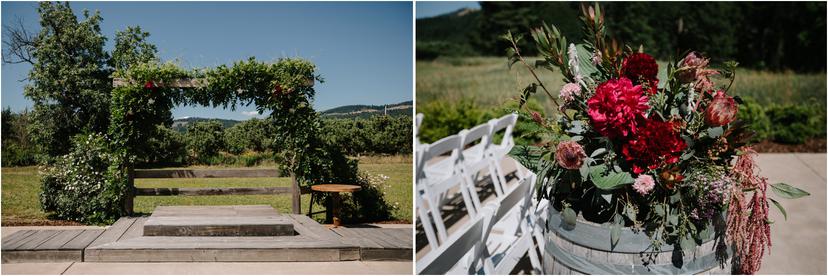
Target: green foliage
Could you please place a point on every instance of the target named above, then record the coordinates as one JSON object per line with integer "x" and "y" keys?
{"x": 205, "y": 140}
{"x": 374, "y": 135}
{"x": 69, "y": 81}
{"x": 132, "y": 48}
{"x": 777, "y": 36}
{"x": 250, "y": 135}
{"x": 444, "y": 118}
{"x": 167, "y": 148}
{"x": 370, "y": 203}
{"x": 79, "y": 185}
{"x": 18, "y": 149}
{"x": 793, "y": 124}
{"x": 754, "y": 115}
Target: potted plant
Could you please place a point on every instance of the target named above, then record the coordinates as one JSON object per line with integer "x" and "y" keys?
{"x": 645, "y": 174}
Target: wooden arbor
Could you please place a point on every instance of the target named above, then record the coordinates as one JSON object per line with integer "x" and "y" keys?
{"x": 132, "y": 192}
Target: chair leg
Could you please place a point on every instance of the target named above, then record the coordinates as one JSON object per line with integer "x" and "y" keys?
{"x": 310, "y": 205}
{"x": 496, "y": 181}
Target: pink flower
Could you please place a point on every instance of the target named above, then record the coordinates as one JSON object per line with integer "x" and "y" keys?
{"x": 537, "y": 117}
{"x": 617, "y": 108}
{"x": 570, "y": 155}
{"x": 596, "y": 58}
{"x": 569, "y": 91}
{"x": 644, "y": 184}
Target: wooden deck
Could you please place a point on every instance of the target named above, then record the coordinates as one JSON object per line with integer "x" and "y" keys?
{"x": 125, "y": 241}
{"x": 379, "y": 244}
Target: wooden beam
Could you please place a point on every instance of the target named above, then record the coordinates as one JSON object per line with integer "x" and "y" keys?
{"x": 211, "y": 191}
{"x": 207, "y": 173}
{"x": 296, "y": 197}
{"x": 179, "y": 83}
{"x": 182, "y": 83}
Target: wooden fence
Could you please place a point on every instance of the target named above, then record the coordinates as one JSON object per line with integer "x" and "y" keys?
{"x": 132, "y": 191}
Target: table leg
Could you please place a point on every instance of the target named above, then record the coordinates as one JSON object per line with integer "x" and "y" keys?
{"x": 336, "y": 209}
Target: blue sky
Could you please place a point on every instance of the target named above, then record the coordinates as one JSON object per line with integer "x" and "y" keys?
{"x": 429, "y": 9}
{"x": 362, "y": 49}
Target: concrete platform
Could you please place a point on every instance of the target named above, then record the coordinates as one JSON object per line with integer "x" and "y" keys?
{"x": 236, "y": 221}
{"x": 125, "y": 241}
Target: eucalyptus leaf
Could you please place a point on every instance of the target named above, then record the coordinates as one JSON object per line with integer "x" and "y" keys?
{"x": 715, "y": 132}
{"x": 615, "y": 234}
{"x": 609, "y": 180}
{"x": 569, "y": 216}
{"x": 788, "y": 191}
{"x": 598, "y": 152}
{"x": 779, "y": 206}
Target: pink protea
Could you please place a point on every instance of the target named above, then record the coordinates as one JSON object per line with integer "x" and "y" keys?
{"x": 690, "y": 66}
{"x": 721, "y": 110}
{"x": 570, "y": 155}
{"x": 569, "y": 91}
{"x": 643, "y": 184}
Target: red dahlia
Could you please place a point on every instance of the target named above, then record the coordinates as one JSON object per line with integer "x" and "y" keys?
{"x": 642, "y": 69}
{"x": 656, "y": 144}
{"x": 616, "y": 108}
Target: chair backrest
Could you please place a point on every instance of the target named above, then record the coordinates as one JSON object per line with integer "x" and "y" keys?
{"x": 418, "y": 121}
{"x": 450, "y": 253}
{"x": 448, "y": 145}
{"x": 506, "y": 122}
{"x": 480, "y": 134}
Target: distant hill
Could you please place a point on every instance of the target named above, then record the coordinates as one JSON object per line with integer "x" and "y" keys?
{"x": 365, "y": 111}
{"x": 449, "y": 34}
{"x": 346, "y": 111}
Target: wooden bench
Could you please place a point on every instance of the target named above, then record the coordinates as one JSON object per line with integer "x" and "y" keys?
{"x": 132, "y": 191}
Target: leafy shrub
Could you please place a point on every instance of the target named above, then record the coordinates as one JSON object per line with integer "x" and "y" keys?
{"x": 80, "y": 186}
{"x": 205, "y": 140}
{"x": 444, "y": 118}
{"x": 368, "y": 204}
{"x": 754, "y": 116}
{"x": 18, "y": 150}
{"x": 793, "y": 124}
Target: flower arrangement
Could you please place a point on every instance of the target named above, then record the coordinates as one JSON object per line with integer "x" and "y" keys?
{"x": 663, "y": 154}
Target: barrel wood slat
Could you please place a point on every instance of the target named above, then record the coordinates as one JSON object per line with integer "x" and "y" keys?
{"x": 585, "y": 249}
{"x": 132, "y": 191}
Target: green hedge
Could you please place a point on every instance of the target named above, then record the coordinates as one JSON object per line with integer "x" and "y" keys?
{"x": 786, "y": 124}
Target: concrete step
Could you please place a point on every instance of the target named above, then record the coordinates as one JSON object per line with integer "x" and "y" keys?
{"x": 236, "y": 221}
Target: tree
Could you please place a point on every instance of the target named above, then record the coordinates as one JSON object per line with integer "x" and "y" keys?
{"x": 69, "y": 81}
{"x": 252, "y": 135}
{"x": 131, "y": 47}
{"x": 205, "y": 140}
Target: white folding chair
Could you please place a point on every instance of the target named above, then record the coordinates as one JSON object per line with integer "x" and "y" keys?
{"x": 519, "y": 235}
{"x": 460, "y": 253}
{"x": 475, "y": 145}
{"x": 498, "y": 151}
{"x": 418, "y": 121}
{"x": 437, "y": 181}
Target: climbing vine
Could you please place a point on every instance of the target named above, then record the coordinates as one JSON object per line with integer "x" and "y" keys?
{"x": 282, "y": 89}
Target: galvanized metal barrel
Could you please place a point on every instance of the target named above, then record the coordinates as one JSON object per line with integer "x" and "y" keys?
{"x": 585, "y": 249}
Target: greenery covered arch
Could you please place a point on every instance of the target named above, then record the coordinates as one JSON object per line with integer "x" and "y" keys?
{"x": 143, "y": 96}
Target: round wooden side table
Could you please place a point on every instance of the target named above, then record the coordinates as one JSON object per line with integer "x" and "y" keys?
{"x": 334, "y": 190}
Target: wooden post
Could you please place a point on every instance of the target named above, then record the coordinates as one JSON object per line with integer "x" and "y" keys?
{"x": 297, "y": 197}
{"x": 130, "y": 191}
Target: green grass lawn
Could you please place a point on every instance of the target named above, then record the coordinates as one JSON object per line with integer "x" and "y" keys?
{"x": 490, "y": 83}
{"x": 20, "y": 189}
